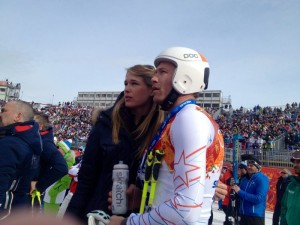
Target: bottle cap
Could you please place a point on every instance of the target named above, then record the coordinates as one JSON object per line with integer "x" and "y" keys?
{"x": 121, "y": 166}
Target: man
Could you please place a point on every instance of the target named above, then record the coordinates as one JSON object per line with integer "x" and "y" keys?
{"x": 242, "y": 171}
{"x": 290, "y": 211}
{"x": 252, "y": 193}
{"x": 189, "y": 142}
{"x": 281, "y": 186}
{"x": 52, "y": 164}
{"x": 20, "y": 148}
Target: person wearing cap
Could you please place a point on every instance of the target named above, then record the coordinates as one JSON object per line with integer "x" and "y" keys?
{"x": 242, "y": 171}
{"x": 252, "y": 193}
{"x": 281, "y": 185}
{"x": 191, "y": 143}
{"x": 55, "y": 194}
{"x": 234, "y": 199}
{"x": 290, "y": 210}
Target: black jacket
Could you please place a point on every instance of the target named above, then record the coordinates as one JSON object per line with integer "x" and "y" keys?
{"x": 101, "y": 154}
{"x": 53, "y": 166}
{"x": 20, "y": 149}
{"x": 280, "y": 188}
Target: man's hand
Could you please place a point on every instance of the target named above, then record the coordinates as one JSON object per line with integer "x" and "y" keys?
{"x": 116, "y": 220}
{"x": 221, "y": 191}
{"x": 236, "y": 188}
{"x": 232, "y": 181}
{"x": 32, "y": 186}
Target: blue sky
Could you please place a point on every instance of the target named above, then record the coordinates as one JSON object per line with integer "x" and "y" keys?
{"x": 56, "y": 48}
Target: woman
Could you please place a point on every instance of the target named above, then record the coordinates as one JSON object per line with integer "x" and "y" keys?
{"x": 121, "y": 133}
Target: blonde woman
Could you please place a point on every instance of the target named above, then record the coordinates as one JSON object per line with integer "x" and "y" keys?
{"x": 121, "y": 133}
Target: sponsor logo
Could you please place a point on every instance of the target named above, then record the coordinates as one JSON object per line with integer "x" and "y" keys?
{"x": 190, "y": 56}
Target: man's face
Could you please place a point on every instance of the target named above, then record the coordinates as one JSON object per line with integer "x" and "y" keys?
{"x": 297, "y": 166}
{"x": 162, "y": 81}
{"x": 242, "y": 171}
{"x": 9, "y": 114}
{"x": 251, "y": 169}
{"x": 224, "y": 169}
{"x": 284, "y": 173}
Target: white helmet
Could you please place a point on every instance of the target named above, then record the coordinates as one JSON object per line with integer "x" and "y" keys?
{"x": 192, "y": 70}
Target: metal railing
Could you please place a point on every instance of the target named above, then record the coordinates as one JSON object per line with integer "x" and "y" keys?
{"x": 268, "y": 157}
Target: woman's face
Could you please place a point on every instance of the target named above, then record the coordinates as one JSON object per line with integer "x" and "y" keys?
{"x": 138, "y": 96}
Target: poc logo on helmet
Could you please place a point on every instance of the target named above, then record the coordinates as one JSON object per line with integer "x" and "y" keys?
{"x": 191, "y": 56}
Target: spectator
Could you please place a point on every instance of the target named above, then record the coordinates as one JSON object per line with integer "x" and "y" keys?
{"x": 120, "y": 133}
{"x": 252, "y": 193}
{"x": 234, "y": 203}
{"x": 226, "y": 178}
{"x": 55, "y": 194}
{"x": 73, "y": 173}
{"x": 20, "y": 148}
{"x": 281, "y": 185}
{"x": 52, "y": 163}
{"x": 290, "y": 213}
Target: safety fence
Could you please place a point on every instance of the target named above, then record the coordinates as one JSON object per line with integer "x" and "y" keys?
{"x": 268, "y": 157}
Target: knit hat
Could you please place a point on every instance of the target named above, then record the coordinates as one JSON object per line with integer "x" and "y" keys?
{"x": 64, "y": 145}
{"x": 251, "y": 160}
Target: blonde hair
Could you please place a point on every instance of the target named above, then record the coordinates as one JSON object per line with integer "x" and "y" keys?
{"x": 95, "y": 113}
{"x": 150, "y": 124}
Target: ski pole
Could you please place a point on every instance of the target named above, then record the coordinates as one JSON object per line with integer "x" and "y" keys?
{"x": 148, "y": 171}
{"x": 155, "y": 171}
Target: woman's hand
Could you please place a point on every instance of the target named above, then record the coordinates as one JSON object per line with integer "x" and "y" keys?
{"x": 134, "y": 195}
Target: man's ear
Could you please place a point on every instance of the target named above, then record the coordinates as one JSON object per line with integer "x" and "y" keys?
{"x": 18, "y": 117}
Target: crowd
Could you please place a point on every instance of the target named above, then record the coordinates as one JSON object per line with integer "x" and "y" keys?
{"x": 69, "y": 121}
{"x": 261, "y": 125}
{"x": 174, "y": 161}
{"x": 258, "y": 126}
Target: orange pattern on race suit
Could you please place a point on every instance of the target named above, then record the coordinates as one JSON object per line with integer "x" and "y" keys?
{"x": 214, "y": 154}
{"x": 189, "y": 172}
{"x": 165, "y": 144}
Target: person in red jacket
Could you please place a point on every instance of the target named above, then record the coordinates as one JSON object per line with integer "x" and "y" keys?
{"x": 226, "y": 178}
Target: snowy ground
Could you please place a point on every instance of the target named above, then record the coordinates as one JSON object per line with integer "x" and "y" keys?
{"x": 219, "y": 216}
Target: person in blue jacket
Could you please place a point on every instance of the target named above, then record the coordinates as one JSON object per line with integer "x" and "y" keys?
{"x": 20, "y": 149}
{"x": 53, "y": 166}
{"x": 252, "y": 192}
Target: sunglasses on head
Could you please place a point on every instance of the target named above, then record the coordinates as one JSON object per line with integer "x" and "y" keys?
{"x": 282, "y": 172}
{"x": 149, "y": 67}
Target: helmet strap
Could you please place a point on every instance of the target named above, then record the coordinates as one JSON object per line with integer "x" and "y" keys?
{"x": 170, "y": 100}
